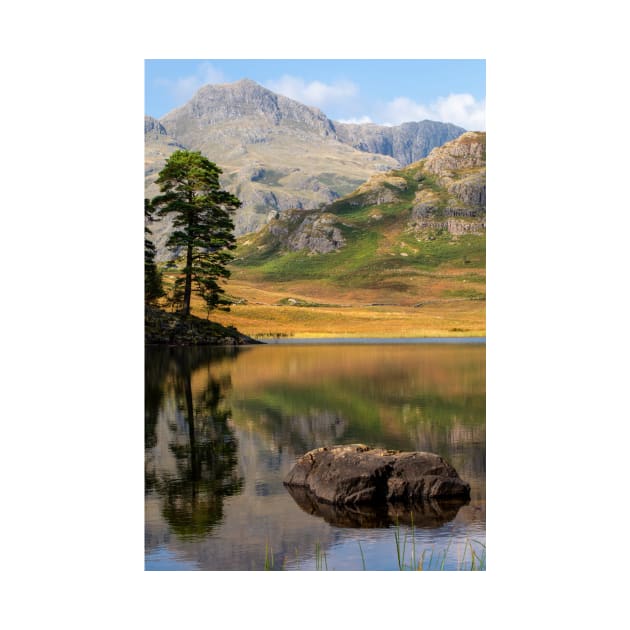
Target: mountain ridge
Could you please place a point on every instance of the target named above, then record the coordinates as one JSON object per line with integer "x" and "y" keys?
{"x": 276, "y": 154}
{"x": 444, "y": 192}
{"x": 407, "y": 143}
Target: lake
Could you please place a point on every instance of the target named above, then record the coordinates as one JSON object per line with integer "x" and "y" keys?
{"x": 223, "y": 426}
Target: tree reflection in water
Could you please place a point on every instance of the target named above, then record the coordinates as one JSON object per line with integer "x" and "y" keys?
{"x": 216, "y": 415}
{"x": 202, "y": 443}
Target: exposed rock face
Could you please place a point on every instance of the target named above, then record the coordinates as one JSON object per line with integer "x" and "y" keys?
{"x": 407, "y": 143}
{"x": 459, "y": 204}
{"x": 468, "y": 152}
{"x": 358, "y": 474}
{"x": 158, "y": 146}
{"x": 318, "y": 234}
{"x": 154, "y": 131}
{"x": 471, "y": 190}
{"x": 380, "y": 189}
{"x": 245, "y": 99}
{"x": 152, "y": 125}
{"x": 452, "y": 226}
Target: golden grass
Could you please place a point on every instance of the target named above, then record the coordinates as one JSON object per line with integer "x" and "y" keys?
{"x": 456, "y": 318}
{"x": 352, "y": 312}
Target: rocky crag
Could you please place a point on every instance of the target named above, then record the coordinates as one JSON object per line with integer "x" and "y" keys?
{"x": 443, "y": 194}
{"x": 406, "y": 143}
{"x": 453, "y": 196}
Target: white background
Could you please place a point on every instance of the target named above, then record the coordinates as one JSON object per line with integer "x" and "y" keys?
{"x": 557, "y": 327}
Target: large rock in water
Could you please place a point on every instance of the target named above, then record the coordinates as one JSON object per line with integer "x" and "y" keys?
{"x": 353, "y": 474}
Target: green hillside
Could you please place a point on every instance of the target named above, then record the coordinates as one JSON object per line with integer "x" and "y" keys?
{"x": 412, "y": 240}
{"x": 382, "y": 249}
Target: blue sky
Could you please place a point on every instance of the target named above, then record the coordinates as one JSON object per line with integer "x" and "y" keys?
{"x": 382, "y": 91}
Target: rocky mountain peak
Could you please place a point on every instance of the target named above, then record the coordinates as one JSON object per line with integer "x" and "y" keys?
{"x": 245, "y": 99}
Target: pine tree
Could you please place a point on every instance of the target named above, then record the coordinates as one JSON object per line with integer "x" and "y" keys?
{"x": 152, "y": 278}
{"x": 202, "y": 222}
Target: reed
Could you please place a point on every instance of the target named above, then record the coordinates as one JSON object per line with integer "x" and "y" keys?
{"x": 407, "y": 557}
{"x": 362, "y": 556}
{"x": 320, "y": 558}
{"x": 268, "y": 557}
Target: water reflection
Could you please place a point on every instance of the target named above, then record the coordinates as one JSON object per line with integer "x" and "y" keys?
{"x": 425, "y": 514}
{"x": 203, "y": 446}
{"x": 223, "y": 427}
{"x": 413, "y": 397}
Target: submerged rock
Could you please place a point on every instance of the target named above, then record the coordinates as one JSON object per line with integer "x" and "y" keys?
{"x": 357, "y": 474}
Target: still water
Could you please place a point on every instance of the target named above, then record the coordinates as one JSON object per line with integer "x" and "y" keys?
{"x": 223, "y": 426}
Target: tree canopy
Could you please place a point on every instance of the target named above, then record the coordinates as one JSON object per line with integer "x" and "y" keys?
{"x": 203, "y": 231}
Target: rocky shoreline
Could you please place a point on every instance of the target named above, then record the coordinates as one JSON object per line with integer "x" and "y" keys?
{"x": 162, "y": 328}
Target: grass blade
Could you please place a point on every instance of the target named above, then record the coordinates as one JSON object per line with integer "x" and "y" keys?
{"x": 362, "y": 556}
{"x": 268, "y": 557}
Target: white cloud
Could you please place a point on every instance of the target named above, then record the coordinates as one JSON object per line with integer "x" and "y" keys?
{"x": 183, "y": 88}
{"x": 315, "y": 93}
{"x": 356, "y": 121}
{"x": 460, "y": 109}
{"x": 210, "y": 74}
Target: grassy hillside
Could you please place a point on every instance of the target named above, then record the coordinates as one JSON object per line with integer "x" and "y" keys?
{"x": 407, "y": 259}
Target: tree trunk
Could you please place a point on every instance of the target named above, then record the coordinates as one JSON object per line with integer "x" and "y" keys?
{"x": 188, "y": 285}
{"x": 195, "y": 466}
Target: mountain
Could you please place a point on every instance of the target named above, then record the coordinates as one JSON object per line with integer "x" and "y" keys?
{"x": 406, "y": 143}
{"x": 277, "y": 154}
{"x": 409, "y": 239}
{"x": 158, "y": 146}
{"x": 443, "y": 196}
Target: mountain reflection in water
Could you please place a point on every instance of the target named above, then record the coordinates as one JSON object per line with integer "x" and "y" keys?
{"x": 224, "y": 426}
